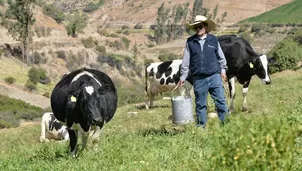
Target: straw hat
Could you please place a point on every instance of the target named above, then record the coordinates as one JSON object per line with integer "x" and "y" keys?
{"x": 202, "y": 19}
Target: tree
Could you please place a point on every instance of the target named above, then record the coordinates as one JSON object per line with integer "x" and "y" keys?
{"x": 21, "y": 18}
{"x": 135, "y": 51}
{"x": 76, "y": 24}
{"x": 215, "y": 10}
{"x": 198, "y": 9}
{"x": 160, "y": 30}
{"x": 223, "y": 16}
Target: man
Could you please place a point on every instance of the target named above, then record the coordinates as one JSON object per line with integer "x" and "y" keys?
{"x": 205, "y": 60}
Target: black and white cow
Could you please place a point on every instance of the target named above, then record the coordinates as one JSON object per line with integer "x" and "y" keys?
{"x": 83, "y": 100}
{"x": 51, "y": 128}
{"x": 243, "y": 62}
{"x": 164, "y": 76}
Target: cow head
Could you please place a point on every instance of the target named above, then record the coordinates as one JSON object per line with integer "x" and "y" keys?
{"x": 90, "y": 105}
{"x": 260, "y": 67}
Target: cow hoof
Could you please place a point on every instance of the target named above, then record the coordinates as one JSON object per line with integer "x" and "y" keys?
{"x": 231, "y": 111}
{"x": 43, "y": 140}
{"x": 244, "y": 109}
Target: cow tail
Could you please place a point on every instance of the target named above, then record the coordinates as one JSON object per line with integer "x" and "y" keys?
{"x": 146, "y": 81}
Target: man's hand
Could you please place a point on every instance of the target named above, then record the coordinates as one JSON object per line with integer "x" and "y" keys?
{"x": 181, "y": 83}
{"x": 223, "y": 76}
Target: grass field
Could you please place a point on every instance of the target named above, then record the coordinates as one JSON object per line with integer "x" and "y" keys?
{"x": 11, "y": 67}
{"x": 268, "y": 137}
{"x": 289, "y": 13}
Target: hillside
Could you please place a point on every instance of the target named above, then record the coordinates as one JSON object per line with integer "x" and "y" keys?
{"x": 288, "y": 13}
{"x": 113, "y": 12}
{"x": 61, "y": 53}
{"x": 266, "y": 138}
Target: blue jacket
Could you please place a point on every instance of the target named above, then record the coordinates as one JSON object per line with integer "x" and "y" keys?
{"x": 203, "y": 63}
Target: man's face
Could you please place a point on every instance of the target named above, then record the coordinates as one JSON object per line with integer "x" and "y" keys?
{"x": 201, "y": 29}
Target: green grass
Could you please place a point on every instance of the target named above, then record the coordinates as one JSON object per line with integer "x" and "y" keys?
{"x": 13, "y": 68}
{"x": 13, "y": 110}
{"x": 288, "y": 13}
{"x": 269, "y": 137}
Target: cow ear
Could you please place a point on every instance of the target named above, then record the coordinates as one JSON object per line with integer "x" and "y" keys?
{"x": 271, "y": 60}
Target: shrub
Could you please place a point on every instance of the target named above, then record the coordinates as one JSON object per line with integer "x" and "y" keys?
{"x": 152, "y": 27}
{"x": 90, "y": 7}
{"x": 62, "y": 55}
{"x": 54, "y": 12}
{"x": 75, "y": 61}
{"x": 10, "y": 80}
{"x": 36, "y": 58}
{"x": 259, "y": 147}
{"x": 287, "y": 53}
{"x": 46, "y": 94}
{"x": 148, "y": 61}
{"x": 76, "y": 24}
{"x": 118, "y": 45}
{"x": 8, "y": 124}
{"x": 247, "y": 36}
{"x": 29, "y": 85}
{"x": 93, "y": 6}
{"x": 256, "y": 28}
{"x": 101, "y": 50}
{"x": 277, "y": 25}
{"x": 298, "y": 36}
{"x": 126, "y": 42}
{"x": 88, "y": 43}
{"x": 114, "y": 35}
{"x": 103, "y": 32}
{"x": 8, "y": 119}
{"x": 130, "y": 94}
{"x": 243, "y": 28}
{"x": 45, "y": 80}
{"x": 12, "y": 110}
{"x": 167, "y": 56}
{"x": 138, "y": 26}
{"x": 272, "y": 30}
{"x": 125, "y": 27}
{"x": 126, "y": 32}
{"x": 150, "y": 45}
{"x": 2, "y": 2}
{"x": 36, "y": 74}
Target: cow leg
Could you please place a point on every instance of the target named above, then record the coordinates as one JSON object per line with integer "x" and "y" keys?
{"x": 43, "y": 130}
{"x": 84, "y": 140}
{"x": 73, "y": 135}
{"x": 244, "y": 93}
{"x": 151, "y": 100}
{"x": 95, "y": 137}
{"x": 232, "y": 93}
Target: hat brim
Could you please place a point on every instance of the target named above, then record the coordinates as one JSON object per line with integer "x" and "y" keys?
{"x": 211, "y": 25}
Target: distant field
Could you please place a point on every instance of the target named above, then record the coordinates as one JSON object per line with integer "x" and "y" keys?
{"x": 11, "y": 67}
{"x": 289, "y": 13}
{"x": 268, "y": 137}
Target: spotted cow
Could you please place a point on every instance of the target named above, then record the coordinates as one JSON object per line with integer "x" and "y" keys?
{"x": 243, "y": 62}
{"x": 164, "y": 76}
{"x": 84, "y": 100}
{"x": 51, "y": 128}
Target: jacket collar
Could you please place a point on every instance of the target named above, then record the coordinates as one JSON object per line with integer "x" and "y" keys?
{"x": 208, "y": 37}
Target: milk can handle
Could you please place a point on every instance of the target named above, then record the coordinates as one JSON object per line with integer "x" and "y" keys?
{"x": 174, "y": 89}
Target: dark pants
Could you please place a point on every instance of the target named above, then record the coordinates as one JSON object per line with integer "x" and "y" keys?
{"x": 212, "y": 84}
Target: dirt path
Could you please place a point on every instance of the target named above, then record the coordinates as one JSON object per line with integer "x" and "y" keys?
{"x": 17, "y": 93}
